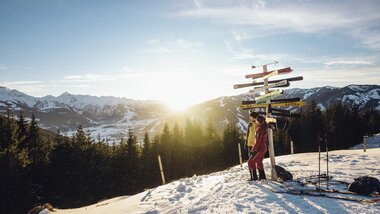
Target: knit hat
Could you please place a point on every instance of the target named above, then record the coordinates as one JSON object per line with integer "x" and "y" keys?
{"x": 254, "y": 114}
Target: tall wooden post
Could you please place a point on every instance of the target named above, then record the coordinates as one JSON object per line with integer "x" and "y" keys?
{"x": 161, "y": 170}
{"x": 240, "y": 158}
{"x": 291, "y": 147}
{"x": 270, "y": 132}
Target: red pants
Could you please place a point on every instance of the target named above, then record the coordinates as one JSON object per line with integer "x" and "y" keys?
{"x": 256, "y": 161}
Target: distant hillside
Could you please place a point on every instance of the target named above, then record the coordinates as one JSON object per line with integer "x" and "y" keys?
{"x": 106, "y": 116}
{"x": 111, "y": 116}
{"x": 225, "y": 110}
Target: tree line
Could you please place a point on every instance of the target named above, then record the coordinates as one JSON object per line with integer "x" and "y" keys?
{"x": 73, "y": 171}
{"x": 339, "y": 126}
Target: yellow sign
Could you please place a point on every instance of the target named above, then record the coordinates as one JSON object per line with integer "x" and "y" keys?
{"x": 270, "y": 120}
{"x": 285, "y": 104}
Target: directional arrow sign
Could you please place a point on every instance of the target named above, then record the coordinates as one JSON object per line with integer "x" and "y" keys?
{"x": 282, "y": 115}
{"x": 254, "y": 83}
{"x": 285, "y": 100}
{"x": 259, "y": 75}
{"x": 272, "y": 110}
{"x": 250, "y": 106}
{"x": 256, "y": 66}
{"x": 277, "y": 84}
{"x": 270, "y": 120}
{"x": 271, "y": 94}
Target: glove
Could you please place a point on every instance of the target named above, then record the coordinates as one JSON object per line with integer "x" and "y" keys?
{"x": 252, "y": 153}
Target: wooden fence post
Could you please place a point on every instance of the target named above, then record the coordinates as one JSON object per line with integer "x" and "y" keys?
{"x": 291, "y": 147}
{"x": 365, "y": 141}
{"x": 161, "y": 170}
{"x": 240, "y": 158}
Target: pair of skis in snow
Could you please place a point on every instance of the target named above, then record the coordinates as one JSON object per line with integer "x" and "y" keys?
{"x": 372, "y": 201}
{"x": 331, "y": 194}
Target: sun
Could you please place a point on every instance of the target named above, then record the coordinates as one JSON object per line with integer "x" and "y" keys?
{"x": 178, "y": 106}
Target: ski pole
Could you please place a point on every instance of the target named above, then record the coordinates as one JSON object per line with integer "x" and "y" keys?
{"x": 327, "y": 151}
{"x": 319, "y": 162}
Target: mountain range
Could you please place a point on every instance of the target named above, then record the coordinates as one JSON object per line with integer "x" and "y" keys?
{"x": 111, "y": 117}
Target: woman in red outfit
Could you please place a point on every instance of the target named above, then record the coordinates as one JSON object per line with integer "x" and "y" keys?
{"x": 259, "y": 149}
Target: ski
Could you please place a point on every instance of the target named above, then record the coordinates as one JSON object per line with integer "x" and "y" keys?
{"x": 272, "y": 110}
{"x": 283, "y": 114}
{"x": 285, "y": 104}
{"x": 263, "y": 74}
{"x": 254, "y": 83}
{"x": 286, "y": 115}
{"x": 247, "y": 102}
{"x": 271, "y": 94}
{"x": 283, "y": 83}
{"x": 285, "y": 100}
{"x": 263, "y": 100}
{"x": 318, "y": 194}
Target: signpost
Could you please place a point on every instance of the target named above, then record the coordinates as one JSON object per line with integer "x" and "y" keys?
{"x": 266, "y": 101}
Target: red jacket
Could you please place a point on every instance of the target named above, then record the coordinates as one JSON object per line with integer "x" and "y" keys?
{"x": 261, "y": 137}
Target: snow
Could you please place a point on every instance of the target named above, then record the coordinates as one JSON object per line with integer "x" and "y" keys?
{"x": 357, "y": 88}
{"x": 321, "y": 106}
{"x": 372, "y": 142}
{"x": 14, "y": 96}
{"x": 242, "y": 124}
{"x": 374, "y": 94}
{"x": 225, "y": 121}
{"x": 221, "y": 102}
{"x": 229, "y": 191}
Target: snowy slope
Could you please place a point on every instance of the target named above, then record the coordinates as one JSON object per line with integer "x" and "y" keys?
{"x": 229, "y": 191}
{"x": 372, "y": 142}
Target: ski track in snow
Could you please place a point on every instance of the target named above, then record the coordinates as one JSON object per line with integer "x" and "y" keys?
{"x": 229, "y": 191}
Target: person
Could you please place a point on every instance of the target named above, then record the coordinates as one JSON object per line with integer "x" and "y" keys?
{"x": 259, "y": 149}
{"x": 251, "y": 140}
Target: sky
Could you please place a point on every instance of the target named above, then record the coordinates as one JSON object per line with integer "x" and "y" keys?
{"x": 183, "y": 52}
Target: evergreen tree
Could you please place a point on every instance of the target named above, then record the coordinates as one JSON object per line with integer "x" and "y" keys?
{"x": 22, "y": 131}
{"x": 133, "y": 162}
{"x": 14, "y": 169}
{"x": 166, "y": 151}
{"x": 146, "y": 161}
{"x": 177, "y": 153}
{"x": 213, "y": 149}
{"x": 231, "y": 138}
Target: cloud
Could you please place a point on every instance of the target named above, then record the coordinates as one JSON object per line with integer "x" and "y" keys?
{"x": 239, "y": 53}
{"x": 21, "y": 83}
{"x": 188, "y": 45}
{"x": 369, "y": 39}
{"x": 156, "y": 47}
{"x": 288, "y": 15}
{"x": 268, "y": 17}
{"x": 240, "y": 35}
{"x": 87, "y": 78}
{"x": 348, "y": 62}
{"x": 340, "y": 76}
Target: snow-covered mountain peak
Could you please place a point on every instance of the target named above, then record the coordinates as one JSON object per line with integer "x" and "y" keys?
{"x": 12, "y": 97}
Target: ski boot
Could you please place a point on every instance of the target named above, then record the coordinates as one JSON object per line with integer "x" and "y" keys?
{"x": 262, "y": 175}
{"x": 253, "y": 174}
